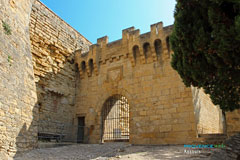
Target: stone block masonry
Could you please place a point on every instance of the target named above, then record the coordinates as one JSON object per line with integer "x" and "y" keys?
{"x": 53, "y": 43}
{"x": 18, "y": 109}
{"x": 138, "y": 68}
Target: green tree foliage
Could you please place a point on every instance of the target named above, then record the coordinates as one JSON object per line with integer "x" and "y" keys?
{"x": 206, "y": 45}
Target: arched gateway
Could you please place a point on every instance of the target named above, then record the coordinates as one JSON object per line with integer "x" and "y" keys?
{"x": 115, "y": 119}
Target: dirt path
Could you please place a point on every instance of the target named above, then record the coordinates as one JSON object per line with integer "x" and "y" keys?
{"x": 112, "y": 151}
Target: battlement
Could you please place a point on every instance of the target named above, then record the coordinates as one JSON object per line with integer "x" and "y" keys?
{"x": 102, "y": 41}
{"x": 148, "y": 46}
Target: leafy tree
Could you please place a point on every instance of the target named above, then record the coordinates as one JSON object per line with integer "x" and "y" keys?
{"x": 206, "y": 45}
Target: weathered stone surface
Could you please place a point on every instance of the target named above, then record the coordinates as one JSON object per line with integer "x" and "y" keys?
{"x": 17, "y": 88}
{"x": 52, "y": 44}
{"x": 209, "y": 117}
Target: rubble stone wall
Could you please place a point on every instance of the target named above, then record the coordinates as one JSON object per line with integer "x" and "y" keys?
{"x": 53, "y": 43}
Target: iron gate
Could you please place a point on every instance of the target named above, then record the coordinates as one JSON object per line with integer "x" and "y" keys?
{"x": 115, "y": 119}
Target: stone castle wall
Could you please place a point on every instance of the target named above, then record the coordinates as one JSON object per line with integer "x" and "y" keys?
{"x": 18, "y": 110}
{"x": 53, "y": 43}
{"x": 138, "y": 68}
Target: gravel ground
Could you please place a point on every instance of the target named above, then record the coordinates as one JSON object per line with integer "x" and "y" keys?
{"x": 112, "y": 151}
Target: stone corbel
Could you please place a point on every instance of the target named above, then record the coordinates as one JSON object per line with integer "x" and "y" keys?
{"x": 142, "y": 57}
{"x": 153, "y": 52}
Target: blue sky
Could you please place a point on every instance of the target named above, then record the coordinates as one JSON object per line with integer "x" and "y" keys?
{"x": 97, "y": 18}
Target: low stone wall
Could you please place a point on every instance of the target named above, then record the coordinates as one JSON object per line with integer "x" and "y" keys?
{"x": 233, "y": 122}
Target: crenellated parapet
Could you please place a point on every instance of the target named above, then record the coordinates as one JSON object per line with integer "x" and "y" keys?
{"x": 138, "y": 48}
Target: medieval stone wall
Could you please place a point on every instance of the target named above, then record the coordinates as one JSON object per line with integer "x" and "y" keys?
{"x": 18, "y": 110}
{"x": 53, "y": 43}
{"x": 209, "y": 117}
{"x": 138, "y": 68}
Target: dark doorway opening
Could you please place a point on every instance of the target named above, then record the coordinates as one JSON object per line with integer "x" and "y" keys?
{"x": 81, "y": 126}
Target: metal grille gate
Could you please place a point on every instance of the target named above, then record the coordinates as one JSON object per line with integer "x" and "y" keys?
{"x": 115, "y": 119}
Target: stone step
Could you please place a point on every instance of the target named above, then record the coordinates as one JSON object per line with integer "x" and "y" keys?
{"x": 215, "y": 141}
{"x": 212, "y": 136}
{"x": 209, "y": 142}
